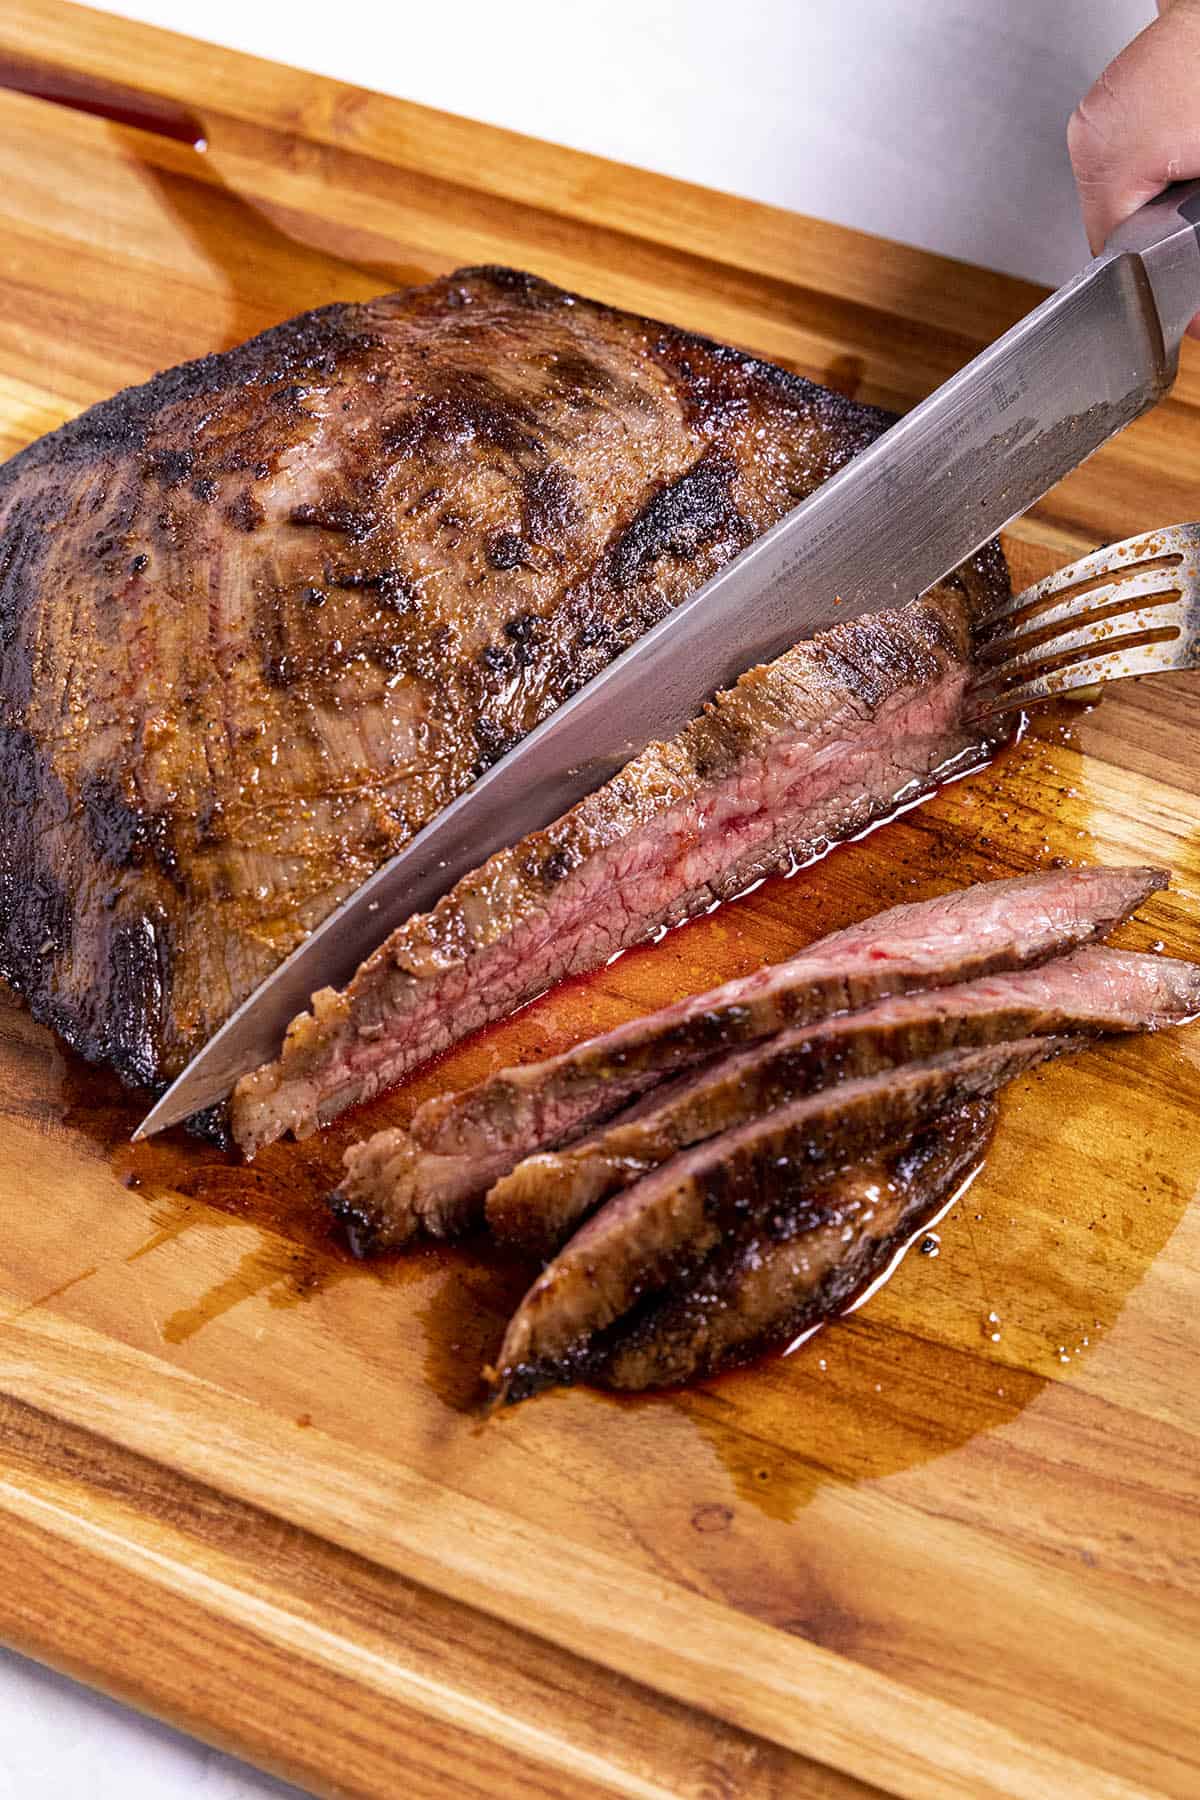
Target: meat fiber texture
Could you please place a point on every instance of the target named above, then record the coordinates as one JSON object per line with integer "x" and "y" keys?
{"x": 775, "y": 1141}
{"x": 785, "y": 1273}
{"x": 263, "y": 617}
{"x": 433, "y": 1176}
{"x": 800, "y": 753}
{"x": 1095, "y": 991}
{"x": 660, "y": 1230}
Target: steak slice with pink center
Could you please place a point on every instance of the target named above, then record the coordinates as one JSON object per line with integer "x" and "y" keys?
{"x": 540, "y": 1202}
{"x": 799, "y": 754}
{"x": 263, "y": 617}
{"x": 432, "y": 1177}
{"x": 664, "y": 1226}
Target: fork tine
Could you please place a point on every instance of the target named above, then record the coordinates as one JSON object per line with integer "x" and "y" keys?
{"x": 1115, "y": 561}
{"x": 1099, "y": 635}
{"x": 1131, "y": 609}
{"x": 1113, "y": 665}
{"x": 1122, "y": 590}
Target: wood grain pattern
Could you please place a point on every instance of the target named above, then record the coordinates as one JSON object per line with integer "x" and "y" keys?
{"x": 242, "y": 1478}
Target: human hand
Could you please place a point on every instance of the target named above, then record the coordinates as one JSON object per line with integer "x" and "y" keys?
{"x": 1139, "y": 127}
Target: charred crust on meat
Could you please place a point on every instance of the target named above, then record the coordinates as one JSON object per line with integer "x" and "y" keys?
{"x": 22, "y": 555}
{"x": 360, "y": 1229}
{"x": 494, "y": 742}
{"x": 575, "y": 374}
{"x": 139, "y": 970}
{"x": 505, "y": 550}
{"x": 524, "y": 633}
{"x": 556, "y": 867}
{"x": 669, "y": 1338}
{"x": 289, "y": 396}
{"x": 522, "y": 1381}
{"x": 170, "y": 468}
{"x": 244, "y": 512}
{"x": 127, "y": 836}
{"x": 314, "y": 343}
{"x": 680, "y": 519}
{"x": 211, "y": 1125}
{"x": 516, "y": 282}
{"x": 35, "y": 930}
{"x": 391, "y": 658}
{"x": 35, "y": 920}
{"x": 351, "y": 522}
{"x": 392, "y": 588}
{"x": 203, "y": 714}
{"x": 718, "y": 383}
{"x": 461, "y": 408}
{"x": 431, "y": 497}
{"x": 36, "y": 912}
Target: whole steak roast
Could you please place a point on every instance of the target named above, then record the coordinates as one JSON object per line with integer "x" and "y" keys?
{"x": 261, "y": 618}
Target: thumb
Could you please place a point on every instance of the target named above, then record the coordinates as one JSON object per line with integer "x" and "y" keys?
{"x": 1139, "y": 127}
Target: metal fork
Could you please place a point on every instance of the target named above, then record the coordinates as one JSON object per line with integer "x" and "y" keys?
{"x": 1130, "y": 609}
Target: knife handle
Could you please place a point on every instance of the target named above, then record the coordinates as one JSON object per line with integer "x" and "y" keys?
{"x": 1164, "y": 235}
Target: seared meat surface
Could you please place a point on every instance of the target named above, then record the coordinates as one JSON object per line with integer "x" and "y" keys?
{"x": 711, "y": 1180}
{"x": 433, "y": 1177}
{"x": 800, "y": 753}
{"x": 798, "y": 1266}
{"x": 658, "y": 1231}
{"x": 263, "y": 617}
{"x": 537, "y": 1205}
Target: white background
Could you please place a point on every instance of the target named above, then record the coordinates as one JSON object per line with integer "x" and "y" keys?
{"x": 938, "y": 122}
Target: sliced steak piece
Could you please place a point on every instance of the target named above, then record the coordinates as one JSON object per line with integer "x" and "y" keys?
{"x": 393, "y": 1191}
{"x": 669, "y": 1222}
{"x": 458, "y": 1144}
{"x": 980, "y": 930}
{"x": 786, "y": 1273}
{"x": 800, "y": 753}
{"x": 537, "y": 1206}
{"x": 263, "y": 617}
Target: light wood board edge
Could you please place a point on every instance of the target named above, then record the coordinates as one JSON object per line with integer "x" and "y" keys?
{"x": 705, "y": 1655}
{"x": 771, "y": 1685}
{"x": 343, "y": 1676}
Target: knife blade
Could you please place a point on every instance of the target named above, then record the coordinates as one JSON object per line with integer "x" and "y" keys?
{"x": 904, "y": 513}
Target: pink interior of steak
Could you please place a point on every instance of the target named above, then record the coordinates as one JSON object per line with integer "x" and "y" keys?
{"x": 787, "y": 797}
{"x": 536, "y": 1203}
{"x": 264, "y": 616}
{"x": 992, "y": 927}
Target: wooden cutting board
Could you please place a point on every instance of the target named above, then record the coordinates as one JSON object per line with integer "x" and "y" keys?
{"x": 949, "y": 1549}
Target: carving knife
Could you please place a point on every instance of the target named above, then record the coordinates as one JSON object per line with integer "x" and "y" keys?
{"x": 905, "y": 512}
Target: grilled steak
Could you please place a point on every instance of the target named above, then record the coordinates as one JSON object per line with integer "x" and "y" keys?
{"x": 783, "y": 1275}
{"x": 540, "y": 1202}
{"x": 800, "y": 753}
{"x": 663, "y": 1227}
{"x": 432, "y": 1176}
{"x": 262, "y": 618}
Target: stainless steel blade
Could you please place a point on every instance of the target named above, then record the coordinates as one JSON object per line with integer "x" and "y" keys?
{"x": 903, "y": 514}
